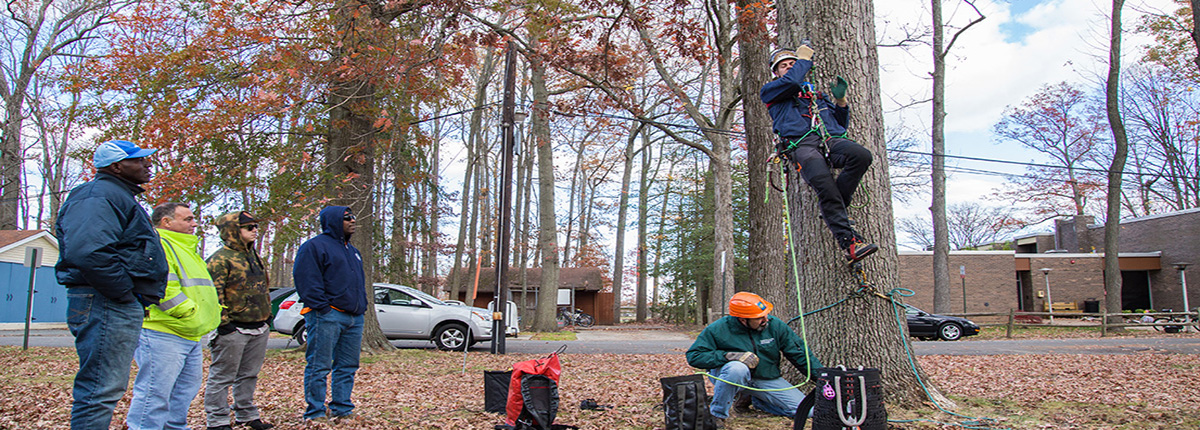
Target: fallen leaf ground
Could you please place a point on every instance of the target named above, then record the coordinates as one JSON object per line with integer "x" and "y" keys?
{"x": 423, "y": 389}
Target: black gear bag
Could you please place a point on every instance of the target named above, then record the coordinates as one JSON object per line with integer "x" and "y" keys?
{"x": 685, "y": 402}
{"x": 844, "y": 399}
{"x": 495, "y": 390}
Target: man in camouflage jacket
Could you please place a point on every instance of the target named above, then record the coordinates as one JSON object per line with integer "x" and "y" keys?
{"x": 240, "y": 346}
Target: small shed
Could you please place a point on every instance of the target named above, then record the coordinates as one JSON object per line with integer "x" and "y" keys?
{"x": 587, "y": 284}
{"x": 49, "y": 298}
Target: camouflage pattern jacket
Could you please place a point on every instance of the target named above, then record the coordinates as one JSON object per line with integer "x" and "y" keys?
{"x": 241, "y": 280}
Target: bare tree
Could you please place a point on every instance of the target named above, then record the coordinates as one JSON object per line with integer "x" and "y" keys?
{"x": 941, "y": 240}
{"x": 1112, "y": 222}
{"x": 33, "y": 33}
{"x": 1158, "y": 109}
{"x": 1064, "y": 125}
{"x": 969, "y": 225}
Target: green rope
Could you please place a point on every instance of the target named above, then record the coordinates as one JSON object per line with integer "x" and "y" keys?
{"x": 787, "y": 235}
{"x": 806, "y": 379}
{"x": 972, "y": 421}
{"x": 787, "y": 222}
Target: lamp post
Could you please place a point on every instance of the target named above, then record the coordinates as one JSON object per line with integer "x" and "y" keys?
{"x": 1049, "y": 300}
{"x": 1181, "y": 266}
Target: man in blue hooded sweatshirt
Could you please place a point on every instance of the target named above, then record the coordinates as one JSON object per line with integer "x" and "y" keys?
{"x": 329, "y": 278}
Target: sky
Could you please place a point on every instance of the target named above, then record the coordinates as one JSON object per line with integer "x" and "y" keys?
{"x": 1020, "y": 47}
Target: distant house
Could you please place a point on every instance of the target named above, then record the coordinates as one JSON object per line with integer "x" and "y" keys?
{"x": 1067, "y": 267}
{"x": 49, "y": 299}
{"x": 585, "y": 283}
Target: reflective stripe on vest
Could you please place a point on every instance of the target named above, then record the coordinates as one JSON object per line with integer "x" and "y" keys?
{"x": 166, "y": 305}
{"x": 189, "y": 282}
{"x": 185, "y": 281}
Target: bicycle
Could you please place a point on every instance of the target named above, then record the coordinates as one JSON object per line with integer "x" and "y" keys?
{"x": 1182, "y": 323}
{"x": 576, "y": 317}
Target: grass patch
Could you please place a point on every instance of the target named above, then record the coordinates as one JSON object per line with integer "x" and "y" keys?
{"x": 553, "y": 335}
{"x": 1037, "y": 332}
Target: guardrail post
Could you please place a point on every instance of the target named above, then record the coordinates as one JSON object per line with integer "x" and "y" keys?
{"x": 1011, "y": 314}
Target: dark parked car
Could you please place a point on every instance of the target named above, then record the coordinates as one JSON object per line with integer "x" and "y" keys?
{"x": 929, "y": 326}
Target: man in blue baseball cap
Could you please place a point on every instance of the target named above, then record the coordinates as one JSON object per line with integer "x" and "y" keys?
{"x": 113, "y": 266}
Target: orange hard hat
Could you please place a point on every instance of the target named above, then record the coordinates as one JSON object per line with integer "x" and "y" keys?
{"x": 749, "y": 305}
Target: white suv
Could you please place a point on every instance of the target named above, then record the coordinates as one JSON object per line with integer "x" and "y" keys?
{"x": 406, "y": 313}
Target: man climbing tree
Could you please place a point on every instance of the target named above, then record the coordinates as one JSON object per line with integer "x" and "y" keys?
{"x": 812, "y": 132}
{"x": 851, "y": 319}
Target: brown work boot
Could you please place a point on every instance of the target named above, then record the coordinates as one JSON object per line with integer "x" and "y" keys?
{"x": 719, "y": 422}
{"x": 741, "y": 403}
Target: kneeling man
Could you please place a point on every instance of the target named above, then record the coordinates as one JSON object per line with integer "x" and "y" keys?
{"x": 744, "y": 348}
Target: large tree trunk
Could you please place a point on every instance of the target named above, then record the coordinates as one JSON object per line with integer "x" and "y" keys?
{"x": 351, "y": 154}
{"x": 547, "y": 231}
{"x": 768, "y": 265}
{"x": 862, "y": 330}
{"x": 941, "y": 232}
{"x": 1112, "y": 222}
{"x": 721, "y": 166}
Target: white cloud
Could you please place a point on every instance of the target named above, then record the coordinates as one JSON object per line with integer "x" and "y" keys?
{"x": 1004, "y": 59}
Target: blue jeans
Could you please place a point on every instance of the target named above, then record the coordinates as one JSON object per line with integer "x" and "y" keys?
{"x": 169, "y": 372}
{"x": 334, "y": 343}
{"x": 782, "y": 403}
{"x": 106, "y": 334}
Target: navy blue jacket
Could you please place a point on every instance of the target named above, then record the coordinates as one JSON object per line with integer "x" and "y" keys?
{"x": 790, "y": 113}
{"x": 106, "y": 241}
{"x": 328, "y": 270}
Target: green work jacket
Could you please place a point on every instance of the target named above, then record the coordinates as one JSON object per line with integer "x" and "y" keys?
{"x": 729, "y": 335}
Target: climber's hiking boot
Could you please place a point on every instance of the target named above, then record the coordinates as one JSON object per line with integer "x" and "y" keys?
{"x": 859, "y": 250}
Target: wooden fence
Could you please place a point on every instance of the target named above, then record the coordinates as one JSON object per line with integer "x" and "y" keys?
{"x": 1035, "y": 319}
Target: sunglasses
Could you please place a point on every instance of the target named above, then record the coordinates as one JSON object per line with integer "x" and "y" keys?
{"x": 349, "y": 217}
{"x": 250, "y": 227}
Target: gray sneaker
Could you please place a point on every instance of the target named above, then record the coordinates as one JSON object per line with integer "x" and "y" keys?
{"x": 719, "y": 422}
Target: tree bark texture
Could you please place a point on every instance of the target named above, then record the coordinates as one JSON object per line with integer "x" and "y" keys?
{"x": 643, "y": 210}
{"x": 1112, "y": 223}
{"x": 861, "y": 328}
{"x": 351, "y": 154}
{"x": 548, "y": 226}
{"x": 941, "y": 230}
{"x": 721, "y": 167}
{"x": 768, "y": 264}
{"x": 622, "y": 214}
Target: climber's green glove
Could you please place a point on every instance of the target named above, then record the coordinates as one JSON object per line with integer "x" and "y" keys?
{"x": 838, "y": 88}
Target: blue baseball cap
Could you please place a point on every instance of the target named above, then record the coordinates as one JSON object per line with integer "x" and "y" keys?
{"x": 116, "y": 150}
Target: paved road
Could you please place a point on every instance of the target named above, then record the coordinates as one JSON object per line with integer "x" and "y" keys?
{"x": 667, "y": 342}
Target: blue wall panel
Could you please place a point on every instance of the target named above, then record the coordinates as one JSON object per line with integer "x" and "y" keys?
{"x": 49, "y": 299}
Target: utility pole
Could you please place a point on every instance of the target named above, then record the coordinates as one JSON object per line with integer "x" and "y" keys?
{"x": 502, "y": 243}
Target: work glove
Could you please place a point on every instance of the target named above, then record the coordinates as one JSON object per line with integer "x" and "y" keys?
{"x": 838, "y": 87}
{"x": 747, "y": 358}
{"x": 804, "y": 52}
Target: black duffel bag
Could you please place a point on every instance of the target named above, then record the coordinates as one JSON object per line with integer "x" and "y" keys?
{"x": 844, "y": 399}
{"x": 685, "y": 402}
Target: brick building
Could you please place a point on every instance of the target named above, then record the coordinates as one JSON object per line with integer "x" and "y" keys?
{"x": 996, "y": 281}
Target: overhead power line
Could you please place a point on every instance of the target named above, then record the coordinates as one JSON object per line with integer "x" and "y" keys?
{"x": 1032, "y": 164}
